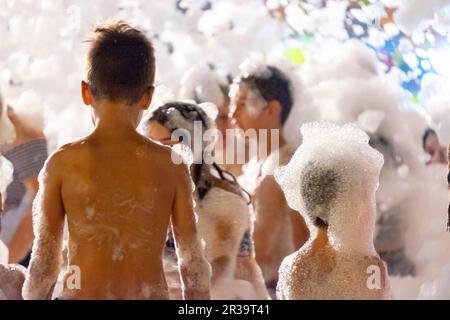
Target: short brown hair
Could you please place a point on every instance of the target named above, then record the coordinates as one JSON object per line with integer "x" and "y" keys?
{"x": 120, "y": 62}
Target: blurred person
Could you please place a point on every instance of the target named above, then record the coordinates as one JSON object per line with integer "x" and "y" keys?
{"x": 27, "y": 151}
{"x": 221, "y": 204}
{"x": 108, "y": 185}
{"x": 261, "y": 101}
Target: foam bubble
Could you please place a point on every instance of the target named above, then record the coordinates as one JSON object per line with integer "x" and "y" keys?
{"x": 416, "y": 15}
{"x": 331, "y": 176}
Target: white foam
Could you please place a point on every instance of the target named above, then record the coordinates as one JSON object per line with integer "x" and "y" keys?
{"x": 11, "y": 281}
{"x": 4, "y": 253}
{"x": 341, "y": 156}
{"x": 7, "y": 130}
{"x": 193, "y": 265}
{"x": 201, "y": 83}
{"x": 342, "y": 82}
{"x": 6, "y": 174}
{"x": 416, "y": 15}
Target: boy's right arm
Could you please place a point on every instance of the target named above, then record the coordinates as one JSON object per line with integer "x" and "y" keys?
{"x": 48, "y": 220}
{"x": 194, "y": 269}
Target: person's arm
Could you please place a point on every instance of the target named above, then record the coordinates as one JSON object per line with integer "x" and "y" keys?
{"x": 194, "y": 269}
{"x": 272, "y": 209}
{"x": 20, "y": 244}
{"x": 48, "y": 218}
{"x": 22, "y": 240}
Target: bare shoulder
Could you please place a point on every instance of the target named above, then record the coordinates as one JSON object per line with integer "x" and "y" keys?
{"x": 156, "y": 151}
{"x": 167, "y": 161}
{"x": 65, "y": 154}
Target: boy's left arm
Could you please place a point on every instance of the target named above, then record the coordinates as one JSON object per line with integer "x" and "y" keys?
{"x": 48, "y": 225}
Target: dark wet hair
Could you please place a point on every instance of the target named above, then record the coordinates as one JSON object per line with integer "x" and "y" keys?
{"x": 319, "y": 188}
{"x": 428, "y": 132}
{"x": 189, "y": 111}
{"x": 120, "y": 63}
{"x": 275, "y": 87}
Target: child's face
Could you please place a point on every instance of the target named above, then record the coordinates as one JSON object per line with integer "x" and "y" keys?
{"x": 158, "y": 132}
{"x": 437, "y": 153}
{"x": 248, "y": 111}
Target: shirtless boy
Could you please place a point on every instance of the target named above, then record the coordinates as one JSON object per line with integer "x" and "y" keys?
{"x": 118, "y": 190}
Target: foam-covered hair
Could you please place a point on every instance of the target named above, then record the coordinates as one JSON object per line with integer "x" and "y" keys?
{"x": 329, "y": 166}
{"x": 202, "y": 84}
{"x": 183, "y": 115}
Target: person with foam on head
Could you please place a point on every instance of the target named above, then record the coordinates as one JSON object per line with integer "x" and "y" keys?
{"x": 11, "y": 276}
{"x": 221, "y": 204}
{"x": 109, "y": 187}
{"x": 203, "y": 84}
{"x": 261, "y": 101}
{"x": 332, "y": 180}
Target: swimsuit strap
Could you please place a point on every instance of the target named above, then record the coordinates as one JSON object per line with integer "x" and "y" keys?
{"x": 246, "y": 246}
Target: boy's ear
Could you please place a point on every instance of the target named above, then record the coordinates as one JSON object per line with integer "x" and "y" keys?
{"x": 274, "y": 109}
{"x": 86, "y": 93}
{"x": 147, "y": 98}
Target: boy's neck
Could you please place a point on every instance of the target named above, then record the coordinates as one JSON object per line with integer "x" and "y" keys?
{"x": 114, "y": 119}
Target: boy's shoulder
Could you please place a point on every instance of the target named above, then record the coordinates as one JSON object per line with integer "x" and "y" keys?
{"x": 158, "y": 152}
{"x": 168, "y": 163}
{"x": 64, "y": 154}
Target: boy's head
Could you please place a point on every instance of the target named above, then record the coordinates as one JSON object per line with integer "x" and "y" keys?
{"x": 261, "y": 100}
{"x": 120, "y": 65}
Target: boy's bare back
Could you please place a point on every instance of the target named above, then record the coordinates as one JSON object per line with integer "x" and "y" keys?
{"x": 118, "y": 199}
{"x": 118, "y": 190}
